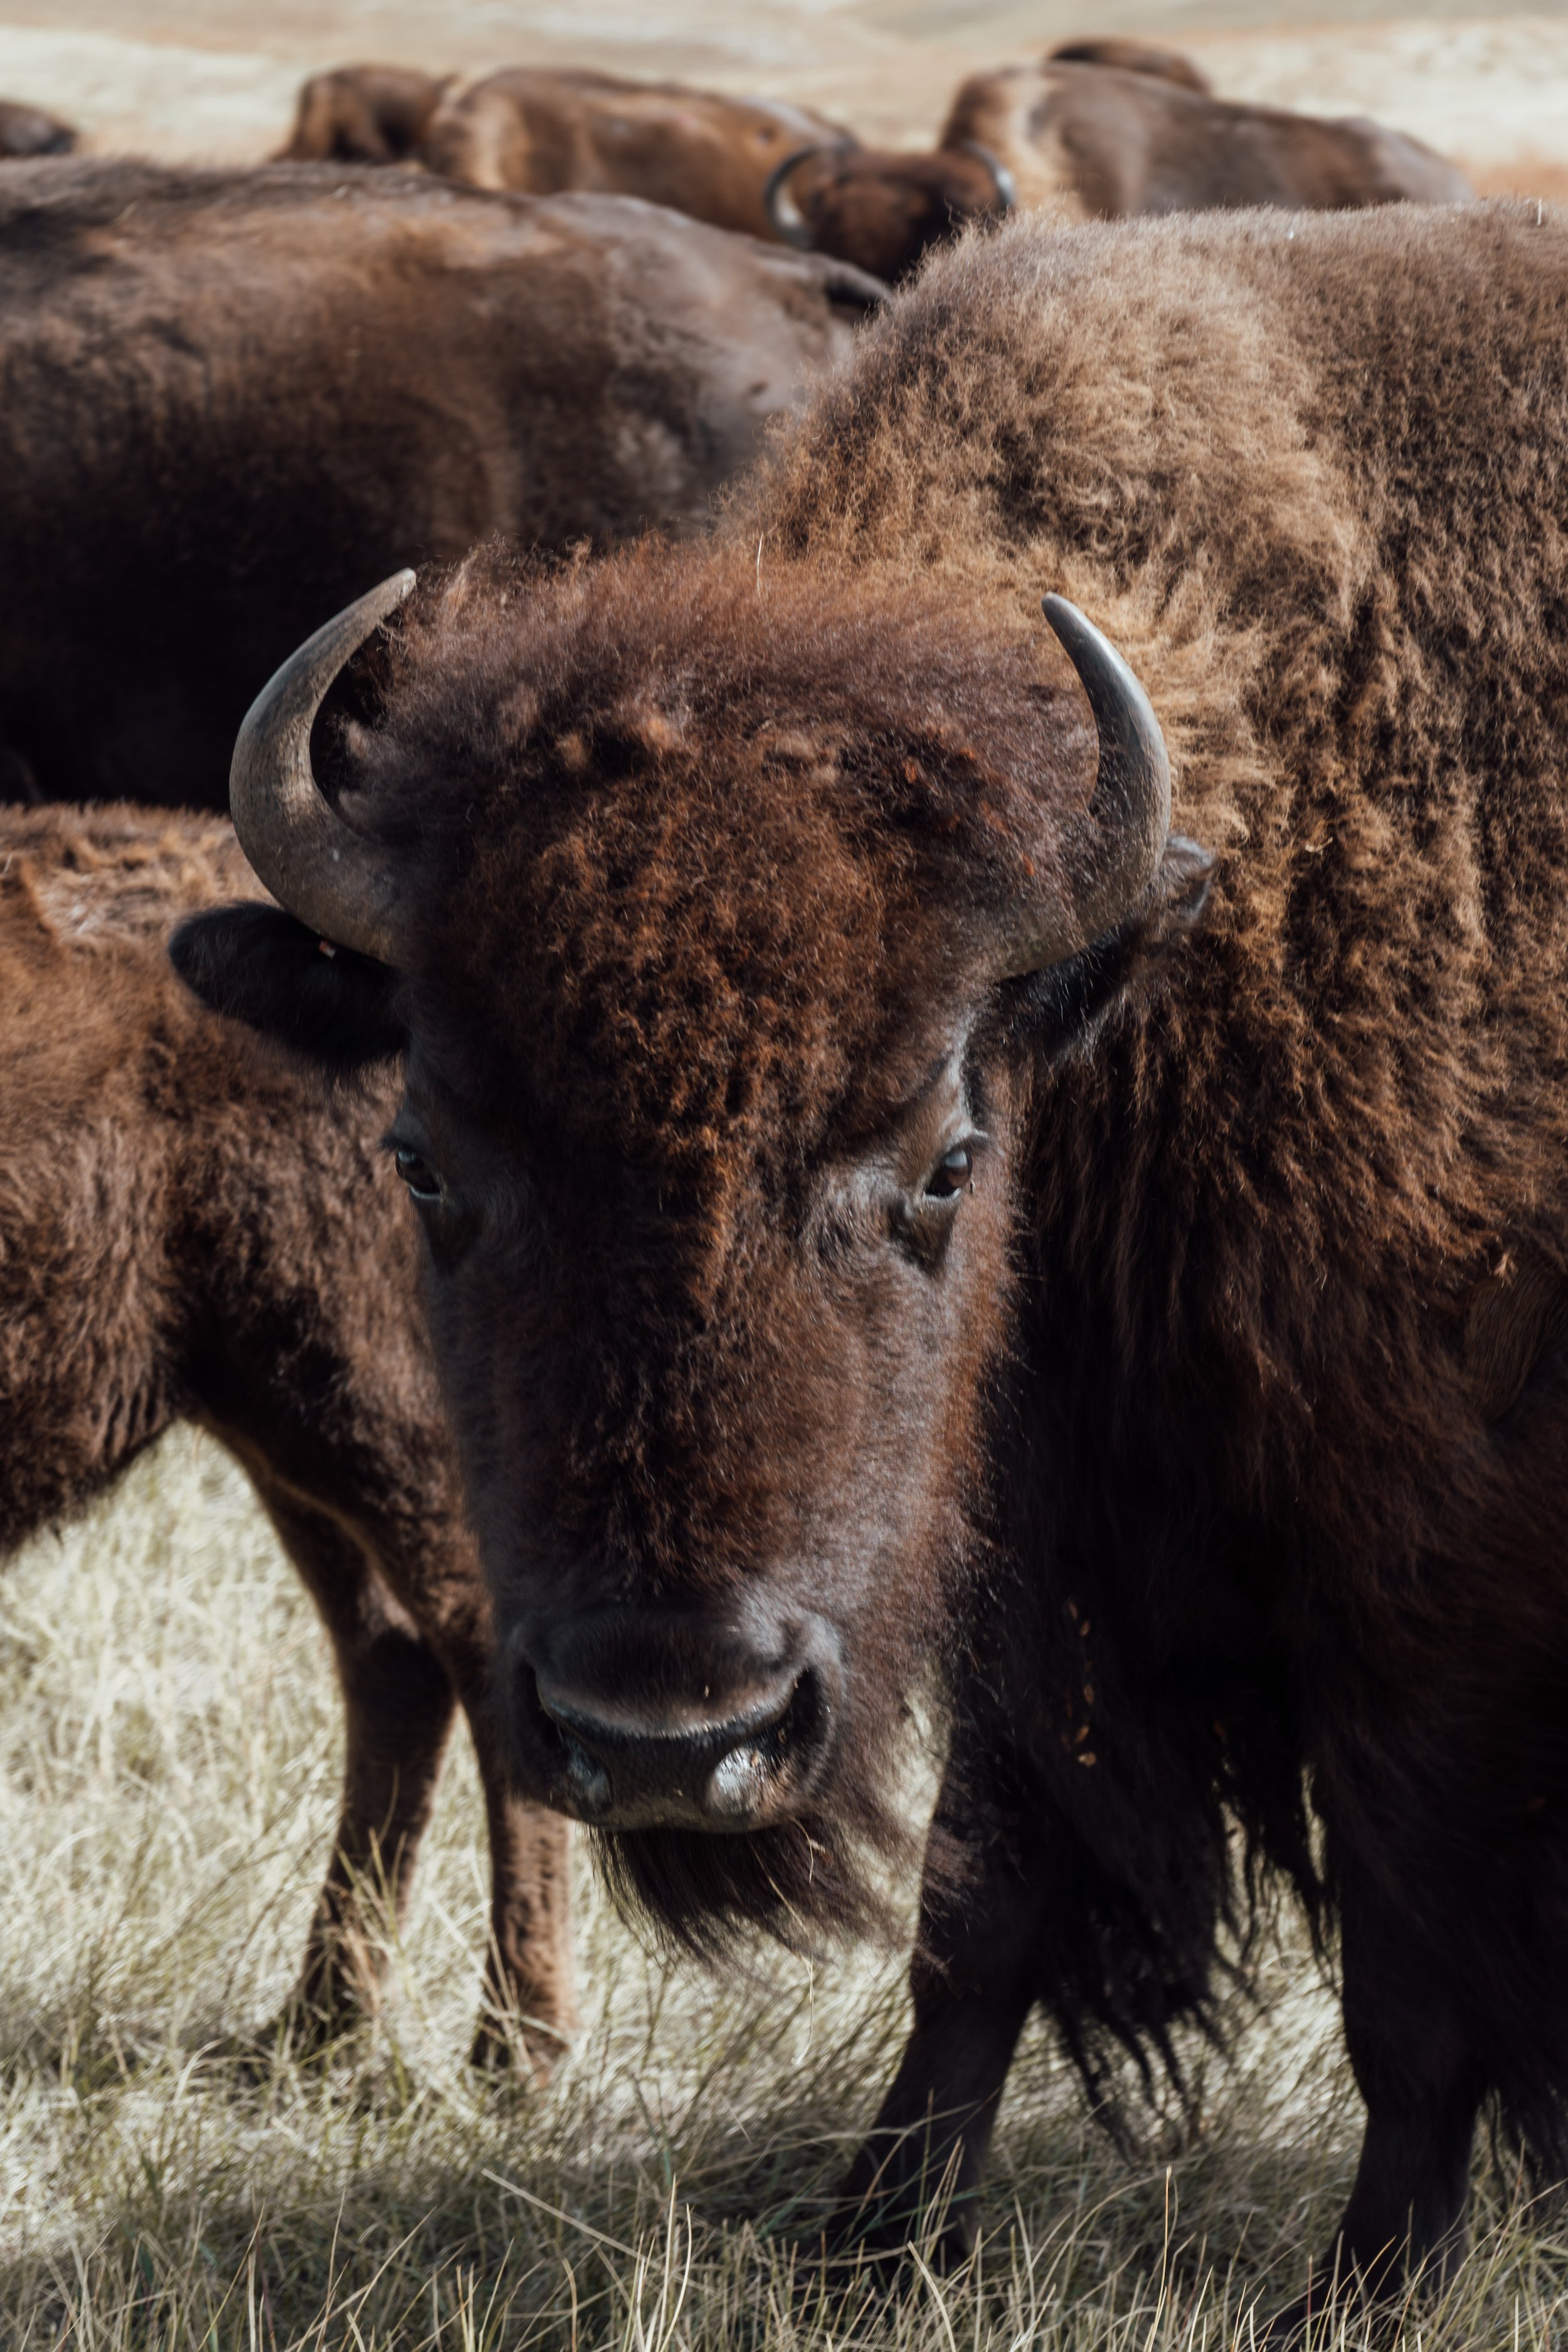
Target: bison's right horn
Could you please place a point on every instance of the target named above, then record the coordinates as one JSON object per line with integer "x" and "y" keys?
{"x": 1129, "y": 820}
{"x": 1002, "y": 179}
{"x": 330, "y": 877}
{"x": 778, "y": 204}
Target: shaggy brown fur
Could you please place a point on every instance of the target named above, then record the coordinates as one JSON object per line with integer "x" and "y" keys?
{"x": 696, "y": 150}
{"x": 1211, "y": 1447}
{"x": 362, "y": 114}
{"x": 229, "y": 400}
{"x": 191, "y": 1229}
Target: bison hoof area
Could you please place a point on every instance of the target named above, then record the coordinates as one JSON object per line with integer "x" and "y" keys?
{"x": 885, "y": 2234}
{"x": 526, "y": 2046}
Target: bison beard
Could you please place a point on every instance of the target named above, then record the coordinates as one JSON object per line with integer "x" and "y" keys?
{"x": 811, "y": 1877}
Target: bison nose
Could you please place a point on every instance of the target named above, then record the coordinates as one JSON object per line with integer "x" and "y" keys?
{"x": 626, "y": 1765}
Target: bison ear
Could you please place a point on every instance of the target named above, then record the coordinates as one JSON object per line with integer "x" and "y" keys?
{"x": 1062, "y": 1007}
{"x": 259, "y": 965}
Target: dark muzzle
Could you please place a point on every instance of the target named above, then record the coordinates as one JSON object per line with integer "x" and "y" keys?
{"x": 641, "y": 1723}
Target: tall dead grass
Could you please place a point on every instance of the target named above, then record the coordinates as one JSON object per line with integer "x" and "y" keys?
{"x": 169, "y": 1753}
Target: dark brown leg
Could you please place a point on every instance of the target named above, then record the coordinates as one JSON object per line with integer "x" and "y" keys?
{"x": 398, "y": 1704}
{"x": 529, "y": 1979}
{"x": 1422, "y": 2086}
{"x": 974, "y": 1979}
{"x": 402, "y": 1669}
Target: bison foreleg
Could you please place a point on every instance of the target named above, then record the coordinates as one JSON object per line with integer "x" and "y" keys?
{"x": 398, "y": 1703}
{"x": 1416, "y": 2070}
{"x": 974, "y": 1979}
{"x": 529, "y": 1979}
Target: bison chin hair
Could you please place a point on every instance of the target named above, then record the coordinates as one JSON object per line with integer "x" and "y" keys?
{"x": 830, "y": 1875}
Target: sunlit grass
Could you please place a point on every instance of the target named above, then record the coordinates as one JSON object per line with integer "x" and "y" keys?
{"x": 169, "y": 1758}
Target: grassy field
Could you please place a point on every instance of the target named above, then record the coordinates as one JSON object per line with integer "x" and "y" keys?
{"x": 168, "y": 1766}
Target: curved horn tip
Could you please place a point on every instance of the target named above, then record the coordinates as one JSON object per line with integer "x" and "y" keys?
{"x": 292, "y": 838}
{"x": 1002, "y": 179}
{"x": 384, "y": 598}
{"x": 1130, "y": 804}
{"x": 1115, "y": 692}
{"x": 776, "y": 196}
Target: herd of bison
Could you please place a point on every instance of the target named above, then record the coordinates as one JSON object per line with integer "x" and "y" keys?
{"x": 902, "y": 1029}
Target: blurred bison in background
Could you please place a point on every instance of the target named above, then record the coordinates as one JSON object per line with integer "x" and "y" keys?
{"x": 695, "y": 149}
{"x": 27, "y": 131}
{"x": 1091, "y": 134}
{"x": 1090, "y": 141}
{"x": 229, "y": 399}
{"x": 363, "y": 114}
{"x": 191, "y": 1229}
{"x": 871, "y": 1234}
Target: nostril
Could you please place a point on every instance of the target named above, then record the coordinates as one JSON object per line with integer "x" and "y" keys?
{"x": 747, "y": 1774}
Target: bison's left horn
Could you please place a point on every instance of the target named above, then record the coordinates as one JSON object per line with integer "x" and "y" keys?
{"x": 1002, "y": 179}
{"x": 332, "y": 877}
{"x": 780, "y": 206}
{"x": 1128, "y": 815}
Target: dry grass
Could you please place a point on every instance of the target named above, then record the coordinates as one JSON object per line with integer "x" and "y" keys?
{"x": 168, "y": 1763}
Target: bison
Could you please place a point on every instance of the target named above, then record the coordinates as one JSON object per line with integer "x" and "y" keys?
{"x": 703, "y": 154}
{"x": 191, "y": 1230}
{"x": 363, "y": 114}
{"x": 229, "y": 399}
{"x": 1095, "y": 138}
{"x": 880, "y": 1227}
{"x": 1087, "y": 141}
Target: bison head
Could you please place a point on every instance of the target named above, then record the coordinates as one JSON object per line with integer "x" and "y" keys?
{"x": 724, "y": 926}
{"x": 884, "y": 211}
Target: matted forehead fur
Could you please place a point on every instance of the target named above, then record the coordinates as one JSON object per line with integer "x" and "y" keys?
{"x": 701, "y": 845}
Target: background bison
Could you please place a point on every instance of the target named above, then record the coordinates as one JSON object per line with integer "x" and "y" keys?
{"x": 707, "y": 155}
{"x": 189, "y": 1230}
{"x": 227, "y": 402}
{"x": 934, "y": 1260}
{"x": 1102, "y": 130}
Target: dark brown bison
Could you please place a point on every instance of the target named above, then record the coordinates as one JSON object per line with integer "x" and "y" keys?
{"x": 363, "y": 114}
{"x": 696, "y": 150}
{"x": 28, "y": 131}
{"x": 1094, "y": 140}
{"x": 874, "y": 1230}
{"x": 190, "y": 1229}
{"x": 228, "y": 400}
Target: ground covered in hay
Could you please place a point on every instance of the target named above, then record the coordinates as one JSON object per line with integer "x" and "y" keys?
{"x": 169, "y": 1745}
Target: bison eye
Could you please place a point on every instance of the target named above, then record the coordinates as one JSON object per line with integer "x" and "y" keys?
{"x": 951, "y": 1173}
{"x": 418, "y": 1175}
